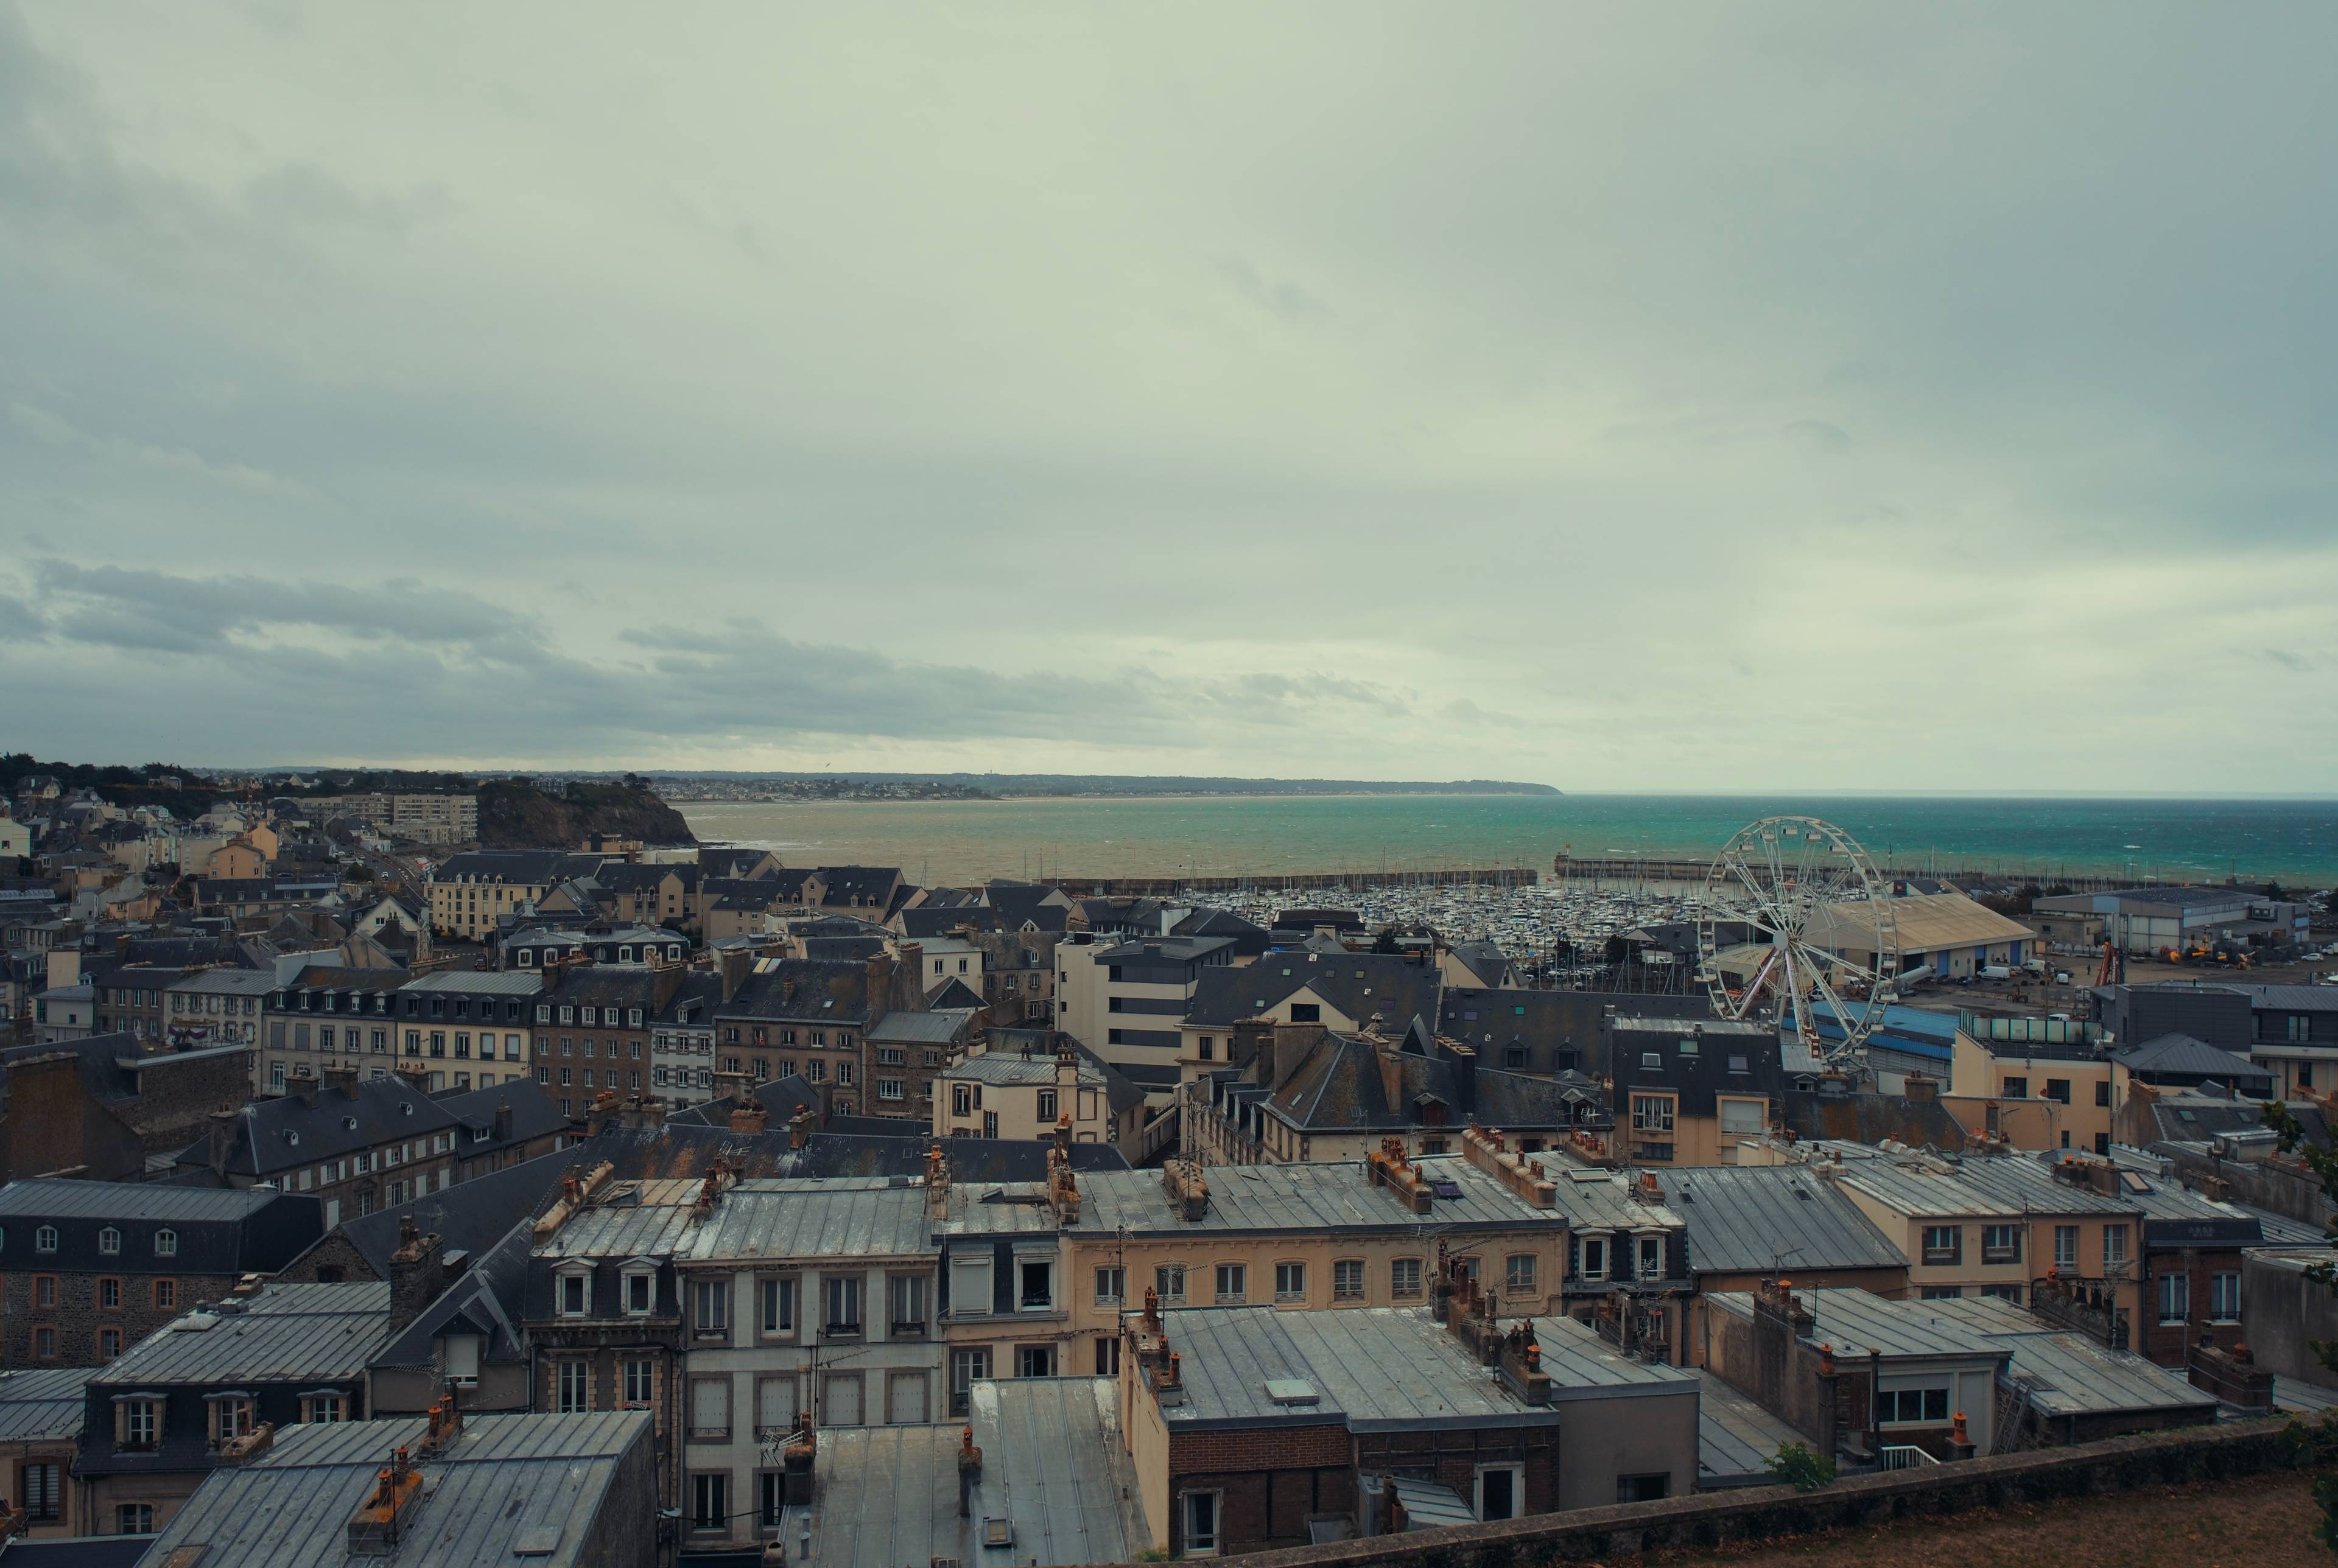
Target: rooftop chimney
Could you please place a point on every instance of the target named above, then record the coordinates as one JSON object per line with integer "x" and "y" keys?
{"x": 1389, "y": 1168}
{"x": 938, "y": 1184}
{"x": 417, "y": 1274}
{"x": 1188, "y": 1189}
{"x": 1489, "y": 1152}
{"x": 575, "y": 1191}
{"x": 748, "y": 1115}
{"x": 709, "y": 1192}
{"x": 969, "y": 1471}
{"x": 801, "y": 1126}
{"x": 223, "y": 1137}
{"x": 374, "y": 1529}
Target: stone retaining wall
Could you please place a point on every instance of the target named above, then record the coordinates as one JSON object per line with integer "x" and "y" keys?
{"x": 2220, "y": 1452}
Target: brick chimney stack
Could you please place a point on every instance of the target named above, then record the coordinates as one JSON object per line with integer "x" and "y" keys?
{"x": 416, "y": 1273}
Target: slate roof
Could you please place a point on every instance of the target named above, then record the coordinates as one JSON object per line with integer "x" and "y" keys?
{"x": 846, "y": 1217}
{"x": 284, "y": 1333}
{"x": 534, "y": 1115}
{"x": 858, "y": 886}
{"x": 533, "y": 867}
{"x": 524, "y": 1489}
{"x": 489, "y": 1300}
{"x": 1979, "y": 1187}
{"x": 213, "y": 1231}
{"x": 1858, "y": 1321}
{"x": 2068, "y": 1373}
{"x": 1037, "y": 902}
{"x": 1250, "y": 940}
{"x": 2183, "y": 1118}
{"x": 953, "y": 994}
{"x": 469, "y": 1217}
{"x": 1749, "y": 1219}
{"x": 1334, "y": 1196}
{"x": 802, "y": 991}
{"x": 1484, "y": 960}
{"x": 682, "y": 1150}
{"x": 281, "y": 1135}
{"x": 2185, "y": 1056}
{"x": 1736, "y": 1438}
{"x": 781, "y": 1098}
{"x": 1000, "y": 1067}
{"x": 1359, "y": 984}
{"x": 929, "y": 1028}
{"x": 78, "y": 1551}
{"x": 1546, "y": 1023}
{"x": 47, "y": 1403}
{"x": 1052, "y": 1467}
{"x": 928, "y": 921}
{"x": 1373, "y": 1361}
{"x": 726, "y": 861}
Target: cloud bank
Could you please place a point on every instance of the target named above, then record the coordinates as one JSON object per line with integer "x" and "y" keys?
{"x": 1814, "y": 396}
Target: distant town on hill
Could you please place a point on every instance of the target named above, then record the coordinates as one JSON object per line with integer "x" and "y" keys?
{"x": 841, "y": 786}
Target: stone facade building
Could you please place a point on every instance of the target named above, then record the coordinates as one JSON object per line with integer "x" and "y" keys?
{"x": 88, "y": 1269}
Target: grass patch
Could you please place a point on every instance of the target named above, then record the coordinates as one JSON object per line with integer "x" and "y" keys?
{"x": 2265, "y": 1522}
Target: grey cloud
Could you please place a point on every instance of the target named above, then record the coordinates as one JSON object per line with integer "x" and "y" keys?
{"x": 1528, "y": 384}
{"x": 427, "y": 646}
{"x": 131, "y": 608}
{"x": 1818, "y": 436}
{"x": 1462, "y": 710}
{"x": 1277, "y": 297}
{"x": 304, "y": 193}
{"x": 19, "y": 621}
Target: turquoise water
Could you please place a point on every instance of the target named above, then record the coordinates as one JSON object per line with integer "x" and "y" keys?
{"x": 952, "y": 841}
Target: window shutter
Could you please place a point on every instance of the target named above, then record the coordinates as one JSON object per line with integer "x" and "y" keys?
{"x": 775, "y": 1401}
{"x": 709, "y": 1403}
{"x": 462, "y": 1356}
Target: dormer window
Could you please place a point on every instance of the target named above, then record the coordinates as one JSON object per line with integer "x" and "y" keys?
{"x": 575, "y": 1294}
{"x": 590, "y": 1016}
{"x": 137, "y": 1422}
{"x": 641, "y": 1292}
{"x": 45, "y": 1240}
{"x": 166, "y": 1243}
{"x": 633, "y": 1018}
{"x": 231, "y": 1416}
{"x": 544, "y": 1013}
{"x": 109, "y": 1241}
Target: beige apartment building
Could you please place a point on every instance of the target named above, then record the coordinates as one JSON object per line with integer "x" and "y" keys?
{"x": 1021, "y": 1097}
{"x": 1307, "y": 1237}
{"x": 1988, "y": 1227}
{"x": 2037, "y": 1082}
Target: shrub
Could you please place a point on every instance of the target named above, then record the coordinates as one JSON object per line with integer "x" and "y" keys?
{"x": 1797, "y": 1466}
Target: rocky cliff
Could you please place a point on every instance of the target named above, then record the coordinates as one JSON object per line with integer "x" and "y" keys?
{"x": 515, "y": 814}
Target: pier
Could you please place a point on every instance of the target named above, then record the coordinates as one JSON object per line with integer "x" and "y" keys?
{"x": 1300, "y": 882}
{"x": 1634, "y": 871}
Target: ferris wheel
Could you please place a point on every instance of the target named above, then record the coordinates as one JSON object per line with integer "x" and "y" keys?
{"x": 1796, "y": 924}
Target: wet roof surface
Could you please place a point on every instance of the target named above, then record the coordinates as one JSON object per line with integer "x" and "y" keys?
{"x": 508, "y": 1484}
{"x": 285, "y": 1333}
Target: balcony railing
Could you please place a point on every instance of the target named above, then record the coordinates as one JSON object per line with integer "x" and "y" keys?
{"x": 1905, "y": 1457}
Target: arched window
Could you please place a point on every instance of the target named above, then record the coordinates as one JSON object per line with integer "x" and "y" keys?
{"x": 45, "y": 1240}
{"x": 166, "y": 1243}
{"x": 109, "y": 1241}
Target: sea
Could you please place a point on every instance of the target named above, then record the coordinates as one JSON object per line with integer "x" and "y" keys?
{"x": 956, "y": 842}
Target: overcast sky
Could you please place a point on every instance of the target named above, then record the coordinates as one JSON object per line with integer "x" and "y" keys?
{"x": 1760, "y": 397}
